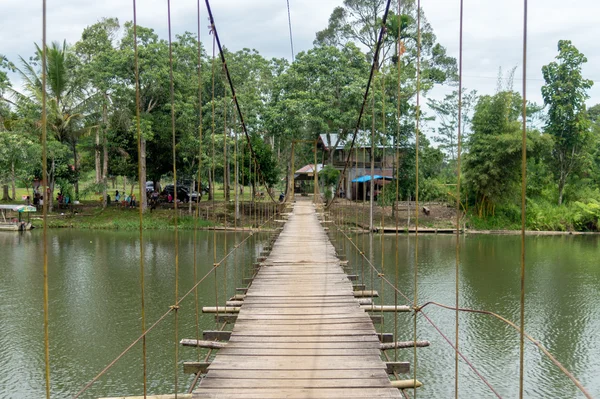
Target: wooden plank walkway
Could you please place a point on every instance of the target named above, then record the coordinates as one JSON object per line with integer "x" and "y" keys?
{"x": 300, "y": 332}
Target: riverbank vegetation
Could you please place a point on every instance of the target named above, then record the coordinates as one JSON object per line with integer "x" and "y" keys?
{"x": 93, "y": 133}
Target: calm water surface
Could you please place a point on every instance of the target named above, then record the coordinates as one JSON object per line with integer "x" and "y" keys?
{"x": 94, "y": 309}
{"x": 562, "y": 310}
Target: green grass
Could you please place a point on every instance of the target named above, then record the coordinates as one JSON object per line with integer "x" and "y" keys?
{"x": 114, "y": 218}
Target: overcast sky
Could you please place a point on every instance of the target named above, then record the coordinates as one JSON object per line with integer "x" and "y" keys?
{"x": 493, "y": 30}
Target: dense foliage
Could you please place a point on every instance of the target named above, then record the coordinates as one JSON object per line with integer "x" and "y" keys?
{"x": 93, "y": 133}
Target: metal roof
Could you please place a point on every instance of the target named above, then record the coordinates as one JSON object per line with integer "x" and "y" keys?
{"x": 310, "y": 168}
{"x": 363, "y": 140}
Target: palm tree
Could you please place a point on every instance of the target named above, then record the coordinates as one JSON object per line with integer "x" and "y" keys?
{"x": 66, "y": 100}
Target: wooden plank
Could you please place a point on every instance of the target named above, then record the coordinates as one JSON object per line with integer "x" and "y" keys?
{"x": 403, "y": 345}
{"x": 386, "y": 308}
{"x": 220, "y": 309}
{"x": 202, "y": 344}
{"x": 297, "y": 362}
{"x": 301, "y": 330}
{"x": 301, "y": 383}
{"x": 179, "y": 396}
{"x": 314, "y": 393}
{"x": 406, "y": 384}
{"x": 297, "y": 374}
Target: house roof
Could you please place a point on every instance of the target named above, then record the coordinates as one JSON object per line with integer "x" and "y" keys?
{"x": 310, "y": 168}
{"x": 363, "y": 140}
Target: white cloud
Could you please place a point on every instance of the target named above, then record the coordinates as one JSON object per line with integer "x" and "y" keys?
{"x": 493, "y": 29}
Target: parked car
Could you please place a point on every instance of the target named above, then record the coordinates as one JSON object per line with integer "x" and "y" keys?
{"x": 149, "y": 186}
{"x": 182, "y": 192}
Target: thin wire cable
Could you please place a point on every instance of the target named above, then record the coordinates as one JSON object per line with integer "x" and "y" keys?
{"x": 47, "y": 199}
{"x": 458, "y": 175}
{"x": 485, "y": 312}
{"x": 233, "y": 94}
{"x": 213, "y": 180}
{"x": 384, "y": 132}
{"x": 290, "y": 25}
{"x": 175, "y": 208}
{"x": 397, "y": 160}
{"x": 197, "y": 213}
{"x": 481, "y": 377}
{"x": 523, "y": 206}
{"x": 417, "y": 133}
{"x": 530, "y": 338}
{"x": 419, "y": 309}
{"x": 141, "y": 207}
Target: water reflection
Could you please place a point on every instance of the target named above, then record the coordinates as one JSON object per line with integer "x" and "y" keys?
{"x": 95, "y": 307}
{"x": 562, "y": 311}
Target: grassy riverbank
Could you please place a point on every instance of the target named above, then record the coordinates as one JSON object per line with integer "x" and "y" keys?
{"x": 122, "y": 219}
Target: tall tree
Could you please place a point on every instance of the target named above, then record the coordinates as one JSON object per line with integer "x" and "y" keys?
{"x": 564, "y": 94}
{"x": 446, "y": 111}
{"x": 67, "y": 102}
{"x": 96, "y": 51}
{"x": 324, "y": 90}
{"x": 492, "y": 164}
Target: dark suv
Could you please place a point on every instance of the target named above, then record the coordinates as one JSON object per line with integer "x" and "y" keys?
{"x": 182, "y": 193}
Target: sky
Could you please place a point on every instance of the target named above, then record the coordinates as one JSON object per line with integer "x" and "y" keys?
{"x": 493, "y": 30}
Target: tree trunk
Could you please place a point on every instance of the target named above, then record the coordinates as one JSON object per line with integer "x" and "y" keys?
{"x": 211, "y": 186}
{"x": 190, "y": 202}
{"x": 13, "y": 177}
{"x": 98, "y": 156}
{"x": 561, "y": 187}
{"x": 75, "y": 170}
{"x": 104, "y": 174}
{"x": 5, "y": 195}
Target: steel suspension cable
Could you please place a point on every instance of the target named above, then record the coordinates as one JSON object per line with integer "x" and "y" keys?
{"x": 523, "y": 206}
{"x": 417, "y": 133}
{"x": 290, "y": 25}
{"x": 458, "y": 211}
{"x": 198, "y": 197}
{"x": 384, "y": 131}
{"x": 366, "y": 96}
{"x": 175, "y": 207}
{"x": 397, "y": 160}
{"x": 213, "y": 28}
{"x": 141, "y": 206}
{"x": 47, "y": 198}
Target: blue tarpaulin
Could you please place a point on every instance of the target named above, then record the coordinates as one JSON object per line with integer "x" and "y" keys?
{"x": 366, "y": 178}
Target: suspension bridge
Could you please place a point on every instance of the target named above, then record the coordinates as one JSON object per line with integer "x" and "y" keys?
{"x": 301, "y": 327}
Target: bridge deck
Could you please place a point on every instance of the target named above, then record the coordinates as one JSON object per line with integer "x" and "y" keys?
{"x": 300, "y": 332}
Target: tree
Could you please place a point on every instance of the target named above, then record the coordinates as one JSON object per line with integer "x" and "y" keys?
{"x": 269, "y": 170}
{"x": 492, "y": 166}
{"x": 96, "y": 51}
{"x": 564, "y": 94}
{"x": 359, "y": 22}
{"x": 447, "y": 113}
{"x": 323, "y": 90}
{"x": 66, "y": 100}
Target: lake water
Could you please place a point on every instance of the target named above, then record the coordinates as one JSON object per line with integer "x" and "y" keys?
{"x": 95, "y": 308}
